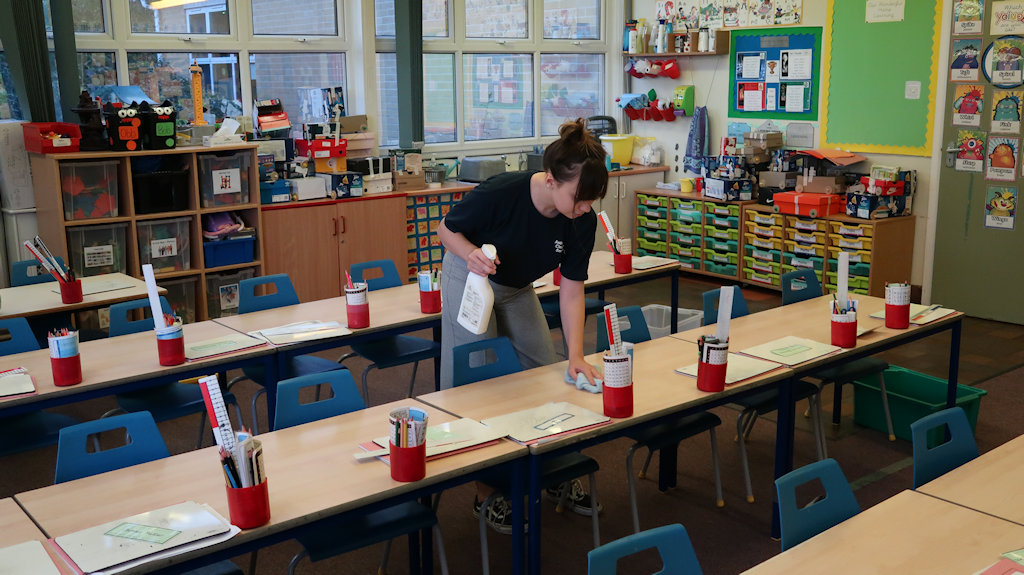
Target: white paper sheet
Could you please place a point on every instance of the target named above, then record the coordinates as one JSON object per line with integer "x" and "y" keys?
{"x": 301, "y": 331}
{"x": 548, "y": 419}
{"x": 648, "y": 262}
{"x": 453, "y": 436}
{"x": 794, "y": 98}
{"x": 15, "y": 384}
{"x": 790, "y": 350}
{"x": 738, "y": 368}
{"x": 751, "y": 67}
{"x": 917, "y": 309}
{"x": 27, "y": 558}
{"x": 219, "y": 345}
{"x": 752, "y": 101}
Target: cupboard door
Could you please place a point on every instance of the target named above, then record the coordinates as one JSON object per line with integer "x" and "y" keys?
{"x": 372, "y": 229}
{"x": 303, "y": 243}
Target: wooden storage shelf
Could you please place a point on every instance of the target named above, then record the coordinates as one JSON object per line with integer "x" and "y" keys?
{"x": 721, "y": 46}
{"x": 55, "y": 230}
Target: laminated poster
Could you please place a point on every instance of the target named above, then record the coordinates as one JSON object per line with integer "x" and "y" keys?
{"x": 1000, "y": 208}
{"x": 712, "y": 14}
{"x": 760, "y": 13}
{"x": 734, "y": 13}
{"x": 967, "y": 16}
{"x": 787, "y": 12}
{"x": 1006, "y": 110}
{"x": 970, "y": 151}
{"x": 965, "y": 63}
{"x": 1004, "y": 61}
{"x": 967, "y": 105}
{"x": 1007, "y": 17}
{"x": 1001, "y": 159}
{"x": 687, "y": 15}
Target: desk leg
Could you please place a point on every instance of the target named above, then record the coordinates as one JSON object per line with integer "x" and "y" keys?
{"x": 535, "y": 514}
{"x": 954, "y": 362}
{"x": 673, "y": 302}
{"x": 427, "y": 544}
{"x": 667, "y": 464}
{"x": 437, "y": 361}
{"x": 275, "y": 369}
{"x": 518, "y": 515}
{"x": 783, "y": 444}
{"x": 414, "y": 552}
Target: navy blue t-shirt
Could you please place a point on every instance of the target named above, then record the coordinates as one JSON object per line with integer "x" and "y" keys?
{"x": 500, "y": 211}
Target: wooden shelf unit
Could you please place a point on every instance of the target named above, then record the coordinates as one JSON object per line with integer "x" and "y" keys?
{"x": 54, "y": 228}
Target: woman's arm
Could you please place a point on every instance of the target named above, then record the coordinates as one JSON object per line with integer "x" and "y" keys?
{"x": 474, "y": 257}
{"x": 570, "y": 301}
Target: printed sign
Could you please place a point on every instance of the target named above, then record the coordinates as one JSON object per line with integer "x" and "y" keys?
{"x": 1006, "y": 110}
{"x": 967, "y": 16}
{"x": 1004, "y": 61}
{"x": 163, "y": 248}
{"x": 965, "y": 61}
{"x": 98, "y": 256}
{"x": 1001, "y": 159}
{"x": 967, "y": 105}
{"x": 970, "y": 151}
{"x": 1007, "y": 18}
{"x": 227, "y": 181}
{"x": 884, "y": 11}
{"x": 1001, "y": 208}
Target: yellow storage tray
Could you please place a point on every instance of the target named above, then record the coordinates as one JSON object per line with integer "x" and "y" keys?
{"x": 807, "y": 224}
{"x": 856, "y": 256}
{"x": 850, "y": 243}
{"x": 805, "y": 250}
{"x": 855, "y": 230}
{"x": 763, "y": 219}
{"x": 764, "y": 231}
{"x": 763, "y": 243}
{"x": 805, "y": 237}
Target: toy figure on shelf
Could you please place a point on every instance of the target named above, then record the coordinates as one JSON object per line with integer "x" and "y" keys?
{"x": 123, "y": 125}
{"x": 90, "y": 119}
{"x": 197, "y": 94}
{"x": 158, "y": 125}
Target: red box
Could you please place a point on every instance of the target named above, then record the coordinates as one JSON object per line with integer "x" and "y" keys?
{"x": 322, "y": 148}
{"x": 878, "y": 187}
{"x": 35, "y": 142}
{"x": 813, "y": 205}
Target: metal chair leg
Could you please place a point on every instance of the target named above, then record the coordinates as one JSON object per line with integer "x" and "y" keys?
{"x": 750, "y": 425}
{"x": 647, "y": 462}
{"x": 837, "y": 402}
{"x": 719, "y": 502}
{"x": 885, "y": 405}
{"x": 366, "y": 389}
{"x": 383, "y": 567}
{"x": 819, "y": 435}
{"x": 252, "y": 562}
{"x": 631, "y": 484}
{"x": 412, "y": 382}
{"x": 595, "y": 524}
{"x": 440, "y": 550}
{"x": 255, "y": 419}
{"x": 295, "y": 561}
{"x": 484, "y": 556}
{"x": 740, "y": 424}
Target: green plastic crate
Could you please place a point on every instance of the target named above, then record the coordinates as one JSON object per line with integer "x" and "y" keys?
{"x": 799, "y": 262}
{"x": 651, "y": 235}
{"x": 722, "y": 221}
{"x": 687, "y": 263}
{"x": 726, "y": 246}
{"x": 760, "y": 266}
{"x": 685, "y": 216}
{"x": 684, "y": 228}
{"x": 912, "y": 395}
{"x": 722, "y": 209}
{"x": 652, "y": 213}
{"x": 762, "y": 254}
{"x": 720, "y": 257}
{"x": 856, "y": 269}
{"x": 687, "y": 240}
{"x": 652, "y": 223}
{"x": 685, "y": 251}
{"x": 658, "y": 247}
{"x": 724, "y": 269}
{"x": 685, "y": 204}
{"x": 652, "y": 201}
{"x": 721, "y": 233}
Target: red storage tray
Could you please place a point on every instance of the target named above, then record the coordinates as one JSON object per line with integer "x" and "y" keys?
{"x": 35, "y": 142}
{"x": 322, "y": 148}
{"x": 813, "y": 205}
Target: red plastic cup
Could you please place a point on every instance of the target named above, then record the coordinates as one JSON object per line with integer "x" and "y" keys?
{"x": 66, "y": 370}
{"x": 617, "y": 391}
{"x": 557, "y": 276}
{"x": 171, "y": 351}
{"x": 711, "y": 376}
{"x": 623, "y": 263}
{"x": 430, "y": 302}
{"x": 71, "y": 292}
{"x": 897, "y": 316}
{"x": 249, "y": 506}
{"x": 408, "y": 463}
{"x": 618, "y": 401}
{"x": 357, "y": 306}
{"x": 844, "y": 333}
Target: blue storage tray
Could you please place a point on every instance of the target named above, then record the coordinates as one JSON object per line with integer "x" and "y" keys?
{"x": 229, "y": 252}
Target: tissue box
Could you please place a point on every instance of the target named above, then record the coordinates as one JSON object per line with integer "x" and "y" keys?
{"x": 821, "y": 185}
{"x": 813, "y": 205}
{"x": 722, "y": 189}
{"x": 307, "y": 188}
{"x": 869, "y": 207}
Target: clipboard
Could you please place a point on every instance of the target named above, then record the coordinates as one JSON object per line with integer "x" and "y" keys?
{"x": 221, "y": 345}
{"x": 302, "y": 331}
{"x": 531, "y": 425}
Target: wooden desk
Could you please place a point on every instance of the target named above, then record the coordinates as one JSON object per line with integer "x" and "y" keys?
{"x": 16, "y": 527}
{"x": 601, "y": 275}
{"x": 908, "y": 533}
{"x": 310, "y": 469}
{"x": 40, "y": 299}
{"x": 111, "y": 365}
{"x": 990, "y": 483}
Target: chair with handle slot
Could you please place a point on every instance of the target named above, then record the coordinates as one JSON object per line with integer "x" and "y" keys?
{"x": 672, "y": 543}
{"x": 801, "y": 522}
{"x": 31, "y": 272}
{"x": 931, "y": 461}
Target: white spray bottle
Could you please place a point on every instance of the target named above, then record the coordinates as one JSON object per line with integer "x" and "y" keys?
{"x": 478, "y": 298}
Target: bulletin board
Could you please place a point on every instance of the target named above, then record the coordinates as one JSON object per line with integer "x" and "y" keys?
{"x": 878, "y": 78}
{"x": 774, "y": 73}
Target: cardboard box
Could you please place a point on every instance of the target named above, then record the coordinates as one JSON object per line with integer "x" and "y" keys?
{"x": 721, "y": 189}
{"x": 331, "y": 165}
{"x": 321, "y": 148}
{"x": 870, "y": 207}
{"x": 763, "y": 141}
{"x": 275, "y": 192}
{"x": 270, "y": 115}
{"x": 377, "y": 184}
{"x": 785, "y": 180}
{"x": 406, "y": 182}
{"x": 277, "y": 148}
{"x": 821, "y": 185}
{"x": 361, "y": 145}
{"x": 813, "y": 205}
{"x": 410, "y": 160}
{"x": 349, "y": 124}
{"x": 345, "y": 185}
{"x": 307, "y": 188}
{"x": 374, "y": 165}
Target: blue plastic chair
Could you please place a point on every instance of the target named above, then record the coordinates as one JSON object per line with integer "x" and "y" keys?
{"x": 335, "y": 536}
{"x": 672, "y": 542}
{"x": 30, "y": 430}
{"x": 285, "y": 295}
{"x": 501, "y": 347}
{"x": 121, "y": 322}
{"x": 553, "y": 313}
{"x": 739, "y": 305}
{"x": 392, "y": 350}
{"x": 799, "y": 522}
{"x": 143, "y": 444}
{"x": 30, "y": 272}
{"x": 636, "y": 333}
{"x": 931, "y": 462}
{"x": 799, "y": 285}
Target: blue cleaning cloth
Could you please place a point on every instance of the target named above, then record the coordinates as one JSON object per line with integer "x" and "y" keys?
{"x": 581, "y": 382}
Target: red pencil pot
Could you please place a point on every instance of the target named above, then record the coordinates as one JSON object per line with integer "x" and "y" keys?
{"x": 617, "y": 390}
{"x": 557, "y": 274}
{"x": 408, "y": 463}
{"x": 249, "y": 506}
{"x": 170, "y": 345}
{"x": 71, "y": 292}
{"x": 897, "y": 316}
{"x": 430, "y": 302}
{"x": 844, "y": 333}
{"x": 357, "y": 306}
{"x": 623, "y": 263}
{"x": 711, "y": 376}
{"x": 66, "y": 370}
{"x": 618, "y": 401}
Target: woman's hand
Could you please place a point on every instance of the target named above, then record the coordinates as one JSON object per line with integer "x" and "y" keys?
{"x": 480, "y": 264}
{"x": 578, "y": 365}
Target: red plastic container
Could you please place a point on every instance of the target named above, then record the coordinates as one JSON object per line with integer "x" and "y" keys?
{"x": 35, "y": 141}
{"x": 618, "y": 401}
{"x": 66, "y": 370}
{"x": 249, "y": 506}
{"x": 623, "y": 263}
{"x": 897, "y": 316}
{"x": 358, "y": 315}
{"x": 844, "y": 334}
{"x": 408, "y": 463}
{"x": 711, "y": 376}
{"x": 171, "y": 351}
{"x": 557, "y": 276}
{"x": 813, "y": 205}
{"x": 430, "y": 302}
{"x": 71, "y": 292}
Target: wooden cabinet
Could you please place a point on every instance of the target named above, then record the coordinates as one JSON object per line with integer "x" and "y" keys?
{"x": 620, "y": 201}
{"x": 315, "y": 243}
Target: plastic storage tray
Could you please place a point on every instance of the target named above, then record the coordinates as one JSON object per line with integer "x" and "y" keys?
{"x": 724, "y": 246}
{"x": 724, "y": 210}
{"x": 166, "y": 244}
{"x": 229, "y": 252}
{"x": 789, "y": 268}
{"x": 721, "y": 233}
{"x": 722, "y": 221}
{"x": 181, "y": 294}
{"x": 684, "y": 239}
{"x": 96, "y": 250}
{"x": 861, "y": 282}
{"x": 222, "y": 292}
{"x": 224, "y": 178}
{"x": 686, "y": 216}
{"x": 723, "y": 269}
{"x": 652, "y": 247}
{"x": 761, "y": 254}
{"x": 805, "y": 250}
{"x": 720, "y": 257}
{"x": 762, "y": 278}
{"x": 850, "y": 243}
{"x": 684, "y": 228}
{"x": 764, "y": 231}
{"x": 763, "y": 243}
{"x": 687, "y": 263}
{"x": 855, "y": 230}
{"x": 805, "y": 237}
{"x": 685, "y": 251}
{"x": 856, "y": 256}
{"x": 832, "y": 289}
{"x": 763, "y": 219}
{"x": 807, "y": 224}
{"x": 651, "y": 235}
{"x": 652, "y": 223}
{"x": 659, "y": 319}
{"x": 761, "y": 266}
{"x": 651, "y": 201}
{"x": 685, "y": 204}
{"x": 653, "y": 213}
{"x": 89, "y": 189}
{"x": 856, "y": 269}
{"x": 799, "y": 262}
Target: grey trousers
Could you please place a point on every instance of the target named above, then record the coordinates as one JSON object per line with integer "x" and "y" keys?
{"x": 516, "y": 315}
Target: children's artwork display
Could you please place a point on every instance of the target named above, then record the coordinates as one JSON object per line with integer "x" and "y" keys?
{"x": 774, "y": 73}
{"x": 1001, "y": 159}
{"x": 1006, "y": 110}
{"x": 967, "y": 16}
{"x": 970, "y": 153}
{"x": 713, "y": 14}
{"x": 1003, "y": 62}
{"x": 1001, "y": 208}
{"x": 967, "y": 105}
{"x": 965, "y": 61}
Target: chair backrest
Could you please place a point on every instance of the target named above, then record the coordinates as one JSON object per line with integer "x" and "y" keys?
{"x": 799, "y": 285}
{"x": 143, "y": 443}
{"x": 21, "y": 337}
{"x": 389, "y": 274}
{"x": 636, "y": 333}
{"x": 121, "y": 324}
{"x": 28, "y": 272}
{"x": 739, "y": 305}
{"x": 506, "y": 361}
{"x": 248, "y": 301}
{"x": 671, "y": 541}
{"x": 344, "y": 399}
{"x": 931, "y": 462}
{"x": 800, "y": 523}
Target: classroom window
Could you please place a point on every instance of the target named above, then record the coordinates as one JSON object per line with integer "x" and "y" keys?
{"x": 97, "y": 69}
{"x": 297, "y": 79}
{"x": 165, "y": 76}
{"x": 571, "y": 86}
{"x": 280, "y": 17}
{"x": 9, "y": 106}
{"x": 498, "y": 96}
{"x": 572, "y": 19}
{"x": 179, "y": 17}
{"x": 89, "y": 16}
{"x": 435, "y": 18}
{"x": 496, "y": 18}
{"x": 438, "y": 98}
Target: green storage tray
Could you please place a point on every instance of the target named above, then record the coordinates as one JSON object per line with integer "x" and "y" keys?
{"x": 728, "y": 246}
{"x": 761, "y": 278}
{"x": 861, "y": 282}
{"x": 716, "y": 268}
{"x": 652, "y": 223}
{"x": 651, "y": 235}
{"x": 802, "y": 262}
{"x": 685, "y": 239}
{"x": 721, "y": 233}
{"x": 722, "y": 221}
{"x": 649, "y": 212}
{"x": 651, "y": 201}
{"x": 684, "y": 228}
{"x": 687, "y": 263}
{"x": 856, "y": 269}
{"x": 685, "y": 204}
{"x": 788, "y": 268}
{"x": 722, "y": 209}
{"x": 832, "y": 289}
{"x": 720, "y": 257}
{"x": 686, "y": 216}
{"x": 911, "y": 395}
{"x": 761, "y": 266}
{"x": 685, "y": 251}
{"x": 762, "y": 254}
{"x": 650, "y": 246}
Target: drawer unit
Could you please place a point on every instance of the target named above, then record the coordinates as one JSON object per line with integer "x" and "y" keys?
{"x": 651, "y": 235}
{"x": 685, "y": 216}
{"x": 652, "y": 223}
{"x": 806, "y": 224}
{"x": 761, "y": 254}
{"x": 726, "y": 246}
{"x": 762, "y": 278}
{"x": 651, "y": 201}
{"x": 720, "y": 257}
{"x": 832, "y": 289}
{"x": 687, "y": 263}
{"x": 686, "y": 204}
{"x": 856, "y": 256}
{"x": 795, "y": 261}
{"x": 786, "y": 269}
{"x": 856, "y": 269}
{"x": 855, "y": 282}
{"x": 685, "y": 228}
{"x": 722, "y": 221}
{"x": 763, "y": 219}
{"x": 725, "y": 210}
{"x": 721, "y": 233}
{"x": 850, "y": 243}
{"x": 685, "y": 251}
{"x": 765, "y": 267}
{"x": 684, "y": 239}
{"x": 854, "y": 230}
{"x": 805, "y": 237}
{"x": 651, "y": 213}
{"x": 763, "y": 243}
{"x": 764, "y": 231}
{"x": 805, "y": 250}
{"x": 717, "y": 268}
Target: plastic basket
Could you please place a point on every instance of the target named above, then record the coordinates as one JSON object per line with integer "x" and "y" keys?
{"x": 659, "y": 319}
{"x": 619, "y": 147}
